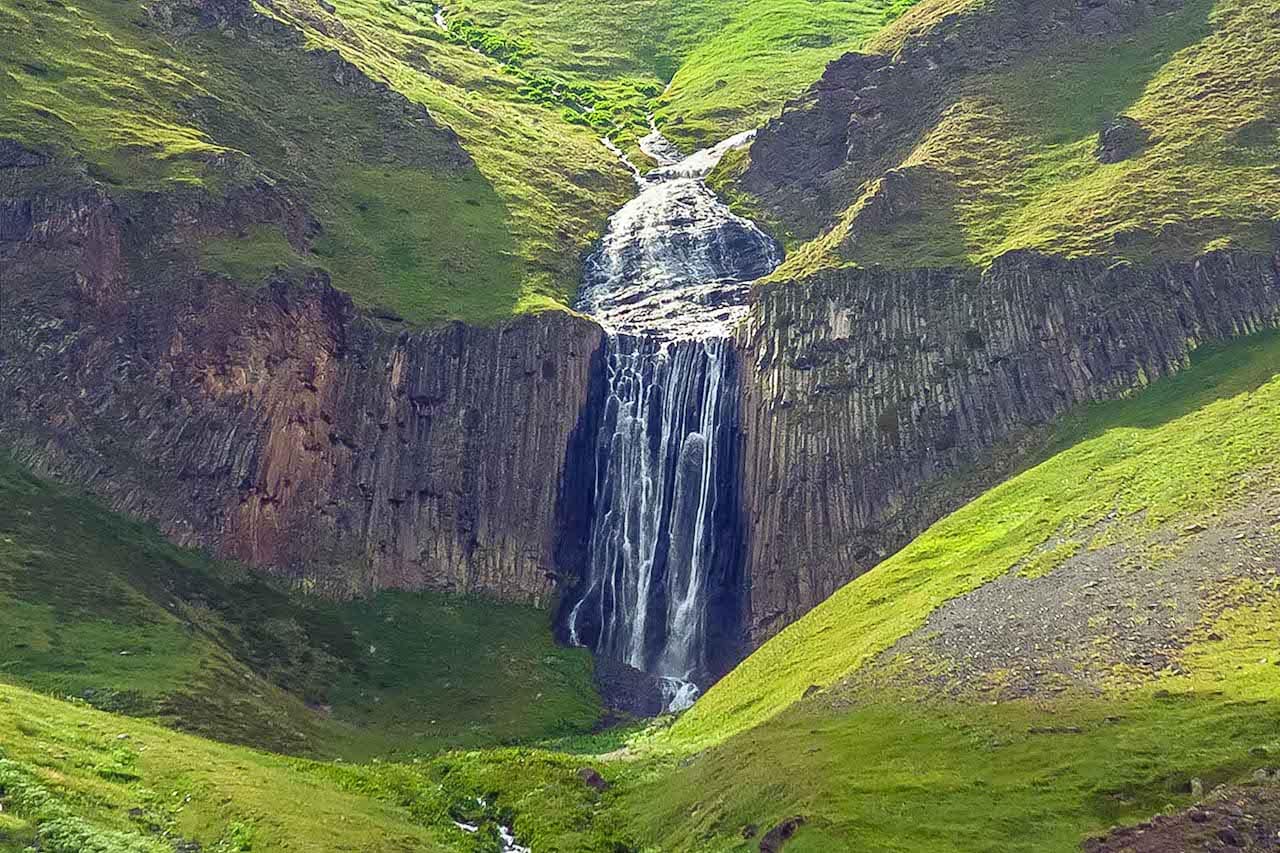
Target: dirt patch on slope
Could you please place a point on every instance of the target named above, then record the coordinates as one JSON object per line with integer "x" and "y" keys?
{"x": 1122, "y": 606}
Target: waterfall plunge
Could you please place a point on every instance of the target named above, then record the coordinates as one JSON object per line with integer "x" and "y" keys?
{"x": 667, "y": 282}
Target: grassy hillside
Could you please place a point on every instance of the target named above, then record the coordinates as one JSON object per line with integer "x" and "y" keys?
{"x": 120, "y": 100}
{"x": 886, "y": 727}
{"x": 102, "y": 609}
{"x": 82, "y": 780}
{"x": 729, "y": 66}
{"x": 78, "y": 779}
{"x": 1003, "y": 156}
{"x": 144, "y": 102}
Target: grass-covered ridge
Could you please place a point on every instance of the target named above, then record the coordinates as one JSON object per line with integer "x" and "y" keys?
{"x": 1179, "y": 450}
{"x": 1009, "y": 162}
{"x": 102, "y": 609}
{"x": 142, "y": 100}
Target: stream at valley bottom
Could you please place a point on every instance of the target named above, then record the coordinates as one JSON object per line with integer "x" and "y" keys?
{"x": 667, "y": 282}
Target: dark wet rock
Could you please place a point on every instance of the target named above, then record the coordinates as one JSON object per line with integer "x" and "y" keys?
{"x": 775, "y": 839}
{"x": 14, "y": 155}
{"x": 592, "y": 779}
{"x": 15, "y": 219}
{"x": 1122, "y": 138}
{"x": 627, "y": 689}
{"x": 1228, "y": 836}
{"x": 811, "y": 690}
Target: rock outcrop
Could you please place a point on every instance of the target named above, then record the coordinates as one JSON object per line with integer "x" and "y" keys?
{"x": 867, "y": 392}
{"x": 278, "y": 425}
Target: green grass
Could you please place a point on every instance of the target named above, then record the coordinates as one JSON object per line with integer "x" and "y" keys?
{"x": 871, "y": 764}
{"x": 890, "y": 772}
{"x": 101, "y": 608}
{"x": 730, "y": 66}
{"x": 405, "y": 226}
{"x": 1010, "y": 163}
{"x": 1178, "y": 450}
{"x": 747, "y": 59}
{"x": 81, "y": 778}
{"x": 556, "y": 183}
{"x": 405, "y": 229}
{"x": 130, "y": 786}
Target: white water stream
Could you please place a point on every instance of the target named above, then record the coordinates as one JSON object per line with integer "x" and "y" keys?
{"x": 668, "y": 281}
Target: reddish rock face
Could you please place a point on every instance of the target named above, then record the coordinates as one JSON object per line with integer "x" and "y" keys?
{"x": 280, "y": 426}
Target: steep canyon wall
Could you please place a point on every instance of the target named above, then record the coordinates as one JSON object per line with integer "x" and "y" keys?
{"x": 278, "y": 425}
{"x": 868, "y": 392}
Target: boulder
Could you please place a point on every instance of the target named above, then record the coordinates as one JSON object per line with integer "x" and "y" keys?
{"x": 592, "y": 779}
{"x": 776, "y": 838}
{"x": 627, "y": 689}
{"x": 1122, "y": 138}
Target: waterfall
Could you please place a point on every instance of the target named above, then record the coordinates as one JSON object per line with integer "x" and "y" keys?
{"x": 668, "y": 281}
{"x": 666, "y": 445}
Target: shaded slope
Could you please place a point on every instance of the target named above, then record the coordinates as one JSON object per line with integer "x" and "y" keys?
{"x": 76, "y": 780}
{"x": 100, "y": 608}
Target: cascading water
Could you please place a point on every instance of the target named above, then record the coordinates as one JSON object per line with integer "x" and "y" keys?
{"x": 667, "y": 282}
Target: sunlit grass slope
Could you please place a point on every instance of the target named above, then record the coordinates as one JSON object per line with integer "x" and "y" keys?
{"x": 405, "y": 227}
{"x": 1010, "y": 162}
{"x": 100, "y": 608}
{"x": 885, "y": 771}
{"x": 1178, "y": 450}
{"x": 81, "y": 780}
{"x": 730, "y": 65}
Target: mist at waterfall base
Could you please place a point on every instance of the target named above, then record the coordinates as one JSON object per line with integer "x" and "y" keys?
{"x": 667, "y": 282}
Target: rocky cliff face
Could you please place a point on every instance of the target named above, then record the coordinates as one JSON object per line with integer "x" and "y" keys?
{"x": 278, "y": 425}
{"x": 868, "y": 392}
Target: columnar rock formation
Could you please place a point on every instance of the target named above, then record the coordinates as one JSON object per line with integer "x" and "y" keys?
{"x": 866, "y": 391}
{"x": 280, "y": 426}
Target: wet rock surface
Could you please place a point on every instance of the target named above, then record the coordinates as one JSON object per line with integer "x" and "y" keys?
{"x": 626, "y": 689}
{"x": 661, "y": 588}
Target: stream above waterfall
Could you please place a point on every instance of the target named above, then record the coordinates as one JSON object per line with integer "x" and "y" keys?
{"x": 668, "y": 281}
